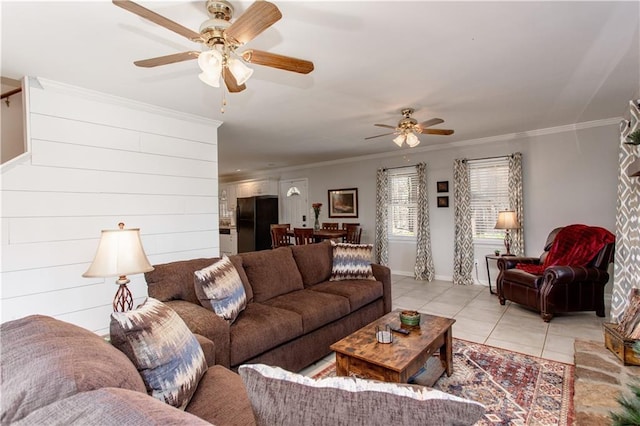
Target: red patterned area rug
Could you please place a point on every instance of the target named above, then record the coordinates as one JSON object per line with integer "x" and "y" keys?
{"x": 516, "y": 389}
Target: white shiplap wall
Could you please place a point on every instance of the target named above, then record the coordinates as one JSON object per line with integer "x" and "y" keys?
{"x": 96, "y": 160}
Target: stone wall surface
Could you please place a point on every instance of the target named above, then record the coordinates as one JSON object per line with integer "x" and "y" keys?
{"x": 600, "y": 379}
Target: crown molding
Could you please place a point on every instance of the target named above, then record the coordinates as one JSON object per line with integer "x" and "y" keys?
{"x": 438, "y": 147}
{"x": 43, "y": 83}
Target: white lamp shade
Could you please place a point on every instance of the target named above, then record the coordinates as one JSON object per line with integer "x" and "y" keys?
{"x": 119, "y": 253}
{"x": 412, "y": 140}
{"x": 507, "y": 220}
{"x": 240, "y": 71}
{"x": 211, "y": 80}
{"x": 399, "y": 139}
{"x": 210, "y": 62}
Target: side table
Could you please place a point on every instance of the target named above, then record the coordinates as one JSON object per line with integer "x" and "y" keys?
{"x": 487, "y": 258}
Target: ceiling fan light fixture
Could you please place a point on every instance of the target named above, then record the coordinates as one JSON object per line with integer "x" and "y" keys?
{"x": 239, "y": 70}
{"x": 210, "y": 79}
{"x": 412, "y": 140}
{"x": 210, "y": 61}
{"x": 399, "y": 140}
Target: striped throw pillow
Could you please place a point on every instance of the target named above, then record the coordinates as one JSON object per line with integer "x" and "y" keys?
{"x": 219, "y": 288}
{"x": 163, "y": 349}
{"x": 351, "y": 262}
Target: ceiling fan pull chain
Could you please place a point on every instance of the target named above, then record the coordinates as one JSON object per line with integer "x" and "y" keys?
{"x": 224, "y": 93}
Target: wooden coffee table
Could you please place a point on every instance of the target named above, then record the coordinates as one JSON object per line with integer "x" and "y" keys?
{"x": 362, "y": 355}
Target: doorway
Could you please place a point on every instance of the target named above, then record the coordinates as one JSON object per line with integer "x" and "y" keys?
{"x": 294, "y": 209}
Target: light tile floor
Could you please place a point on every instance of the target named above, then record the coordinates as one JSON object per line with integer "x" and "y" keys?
{"x": 480, "y": 318}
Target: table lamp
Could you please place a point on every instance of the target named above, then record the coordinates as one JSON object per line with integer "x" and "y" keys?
{"x": 507, "y": 220}
{"x": 119, "y": 254}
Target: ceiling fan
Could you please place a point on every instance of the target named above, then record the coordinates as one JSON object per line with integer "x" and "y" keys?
{"x": 408, "y": 127}
{"x": 221, "y": 38}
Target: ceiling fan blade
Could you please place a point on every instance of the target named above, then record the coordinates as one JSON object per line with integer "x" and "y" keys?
{"x": 437, "y": 132}
{"x": 257, "y": 18}
{"x": 231, "y": 82}
{"x": 152, "y": 16}
{"x": 385, "y": 125}
{"x": 385, "y": 134}
{"x": 168, "y": 59}
{"x": 432, "y": 122}
{"x": 277, "y": 61}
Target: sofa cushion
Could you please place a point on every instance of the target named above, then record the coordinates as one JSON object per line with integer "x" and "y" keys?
{"x": 219, "y": 288}
{"x": 221, "y": 399}
{"x": 352, "y": 262}
{"x": 45, "y": 360}
{"x": 359, "y": 292}
{"x": 260, "y": 328}
{"x": 167, "y": 355}
{"x": 174, "y": 281}
{"x": 315, "y": 308}
{"x": 314, "y": 262}
{"x": 271, "y": 273}
{"x": 110, "y": 406}
{"x": 284, "y": 398}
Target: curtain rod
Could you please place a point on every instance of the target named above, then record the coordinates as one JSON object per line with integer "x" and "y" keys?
{"x": 489, "y": 158}
{"x": 400, "y": 167}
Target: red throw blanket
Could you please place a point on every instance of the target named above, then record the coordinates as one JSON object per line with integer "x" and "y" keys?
{"x": 575, "y": 245}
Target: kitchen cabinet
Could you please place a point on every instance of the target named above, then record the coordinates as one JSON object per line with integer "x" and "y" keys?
{"x": 257, "y": 187}
{"x": 228, "y": 242}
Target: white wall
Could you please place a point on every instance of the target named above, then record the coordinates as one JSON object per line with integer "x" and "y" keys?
{"x": 569, "y": 177}
{"x": 96, "y": 160}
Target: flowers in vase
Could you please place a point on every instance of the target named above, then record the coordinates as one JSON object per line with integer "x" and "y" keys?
{"x": 316, "y": 209}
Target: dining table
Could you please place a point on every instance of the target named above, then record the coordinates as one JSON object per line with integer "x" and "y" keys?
{"x": 324, "y": 234}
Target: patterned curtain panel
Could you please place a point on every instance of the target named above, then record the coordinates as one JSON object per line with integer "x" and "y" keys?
{"x": 516, "y": 201}
{"x": 463, "y": 238}
{"x": 382, "y": 198}
{"x": 626, "y": 274}
{"x": 424, "y": 261}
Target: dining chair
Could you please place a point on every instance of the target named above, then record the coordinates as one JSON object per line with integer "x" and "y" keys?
{"x": 329, "y": 225}
{"x": 303, "y": 236}
{"x": 346, "y": 225}
{"x": 281, "y": 225}
{"x": 279, "y": 237}
{"x": 353, "y": 235}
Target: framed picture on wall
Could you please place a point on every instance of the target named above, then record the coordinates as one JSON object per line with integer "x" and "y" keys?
{"x": 442, "y": 186}
{"x": 343, "y": 202}
{"x": 443, "y": 201}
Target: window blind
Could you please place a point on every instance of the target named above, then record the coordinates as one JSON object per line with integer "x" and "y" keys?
{"x": 489, "y": 187}
{"x": 403, "y": 202}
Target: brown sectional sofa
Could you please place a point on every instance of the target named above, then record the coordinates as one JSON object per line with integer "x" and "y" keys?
{"x": 56, "y": 373}
{"x": 294, "y": 313}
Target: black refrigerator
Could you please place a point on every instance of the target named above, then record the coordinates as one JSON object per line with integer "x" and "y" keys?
{"x": 254, "y": 216}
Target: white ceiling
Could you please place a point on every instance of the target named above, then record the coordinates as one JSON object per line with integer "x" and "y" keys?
{"x": 486, "y": 68}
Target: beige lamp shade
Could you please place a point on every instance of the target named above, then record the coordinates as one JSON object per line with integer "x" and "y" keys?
{"x": 507, "y": 220}
{"x": 119, "y": 253}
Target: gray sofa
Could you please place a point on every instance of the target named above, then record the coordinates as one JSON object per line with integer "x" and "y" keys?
{"x": 294, "y": 313}
{"x": 56, "y": 373}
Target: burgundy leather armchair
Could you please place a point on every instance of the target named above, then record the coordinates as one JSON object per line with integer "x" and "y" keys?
{"x": 558, "y": 288}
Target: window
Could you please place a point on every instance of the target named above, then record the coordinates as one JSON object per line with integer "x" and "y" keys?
{"x": 403, "y": 202}
{"x": 489, "y": 182}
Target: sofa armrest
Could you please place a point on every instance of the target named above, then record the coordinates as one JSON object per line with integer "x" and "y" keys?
{"x": 209, "y": 349}
{"x": 383, "y": 274}
{"x": 509, "y": 262}
{"x": 569, "y": 274}
{"x": 206, "y": 323}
